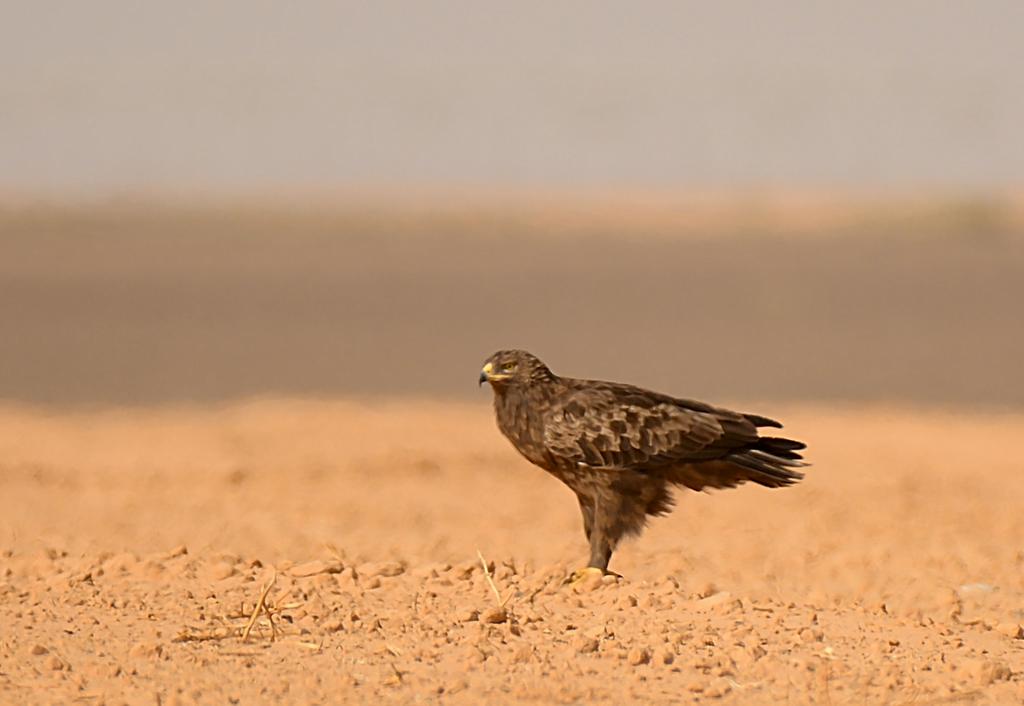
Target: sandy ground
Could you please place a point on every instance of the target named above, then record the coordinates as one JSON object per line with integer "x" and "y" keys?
{"x": 136, "y": 542}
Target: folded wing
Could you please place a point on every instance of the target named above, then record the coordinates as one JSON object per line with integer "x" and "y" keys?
{"x": 618, "y": 427}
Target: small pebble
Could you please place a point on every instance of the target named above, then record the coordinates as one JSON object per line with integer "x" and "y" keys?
{"x": 312, "y": 568}
{"x": 494, "y": 615}
{"x": 638, "y": 656}
{"x": 333, "y": 625}
{"x": 812, "y": 635}
{"x": 523, "y": 654}
{"x": 386, "y": 569}
{"x": 180, "y": 550}
{"x": 1014, "y": 631}
{"x": 718, "y": 600}
{"x": 718, "y": 689}
{"x": 984, "y": 672}
{"x": 627, "y": 602}
{"x": 222, "y": 570}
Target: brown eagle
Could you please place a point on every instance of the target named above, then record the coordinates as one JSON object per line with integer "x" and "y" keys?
{"x": 621, "y": 448}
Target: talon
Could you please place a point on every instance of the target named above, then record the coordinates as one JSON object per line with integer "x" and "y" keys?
{"x": 588, "y": 574}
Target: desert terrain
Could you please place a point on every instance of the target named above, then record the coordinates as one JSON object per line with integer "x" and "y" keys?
{"x": 138, "y": 542}
{"x": 243, "y": 457}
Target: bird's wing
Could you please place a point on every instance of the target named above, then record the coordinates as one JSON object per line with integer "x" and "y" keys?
{"x": 617, "y": 427}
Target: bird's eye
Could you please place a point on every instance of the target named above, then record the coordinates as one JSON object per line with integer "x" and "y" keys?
{"x": 508, "y": 367}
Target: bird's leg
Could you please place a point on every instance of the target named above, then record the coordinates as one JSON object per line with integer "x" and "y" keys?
{"x": 600, "y": 547}
{"x": 587, "y": 508}
{"x": 600, "y": 551}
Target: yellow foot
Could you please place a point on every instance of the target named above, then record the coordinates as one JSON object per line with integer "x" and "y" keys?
{"x": 589, "y": 576}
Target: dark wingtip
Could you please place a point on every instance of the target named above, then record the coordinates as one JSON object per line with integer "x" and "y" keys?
{"x": 778, "y": 442}
{"x": 767, "y": 470}
{"x": 758, "y": 421}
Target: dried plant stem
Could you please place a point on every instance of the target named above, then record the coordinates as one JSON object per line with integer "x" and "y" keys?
{"x": 490, "y": 582}
{"x": 261, "y": 607}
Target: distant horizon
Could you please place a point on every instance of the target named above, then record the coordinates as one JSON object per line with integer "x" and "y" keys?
{"x": 590, "y": 212}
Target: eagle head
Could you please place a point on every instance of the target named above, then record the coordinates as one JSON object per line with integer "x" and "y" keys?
{"x": 513, "y": 367}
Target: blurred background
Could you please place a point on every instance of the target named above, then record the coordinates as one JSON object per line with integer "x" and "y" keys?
{"x": 805, "y": 202}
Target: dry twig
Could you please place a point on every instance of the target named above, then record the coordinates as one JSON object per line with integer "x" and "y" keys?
{"x": 261, "y": 607}
{"x": 490, "y": 582}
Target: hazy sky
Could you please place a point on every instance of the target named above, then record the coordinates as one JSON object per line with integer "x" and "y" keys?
{"x": 112, "y": 95}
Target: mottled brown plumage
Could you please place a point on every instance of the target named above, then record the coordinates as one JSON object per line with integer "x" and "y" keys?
{"x": 621, "y": 448}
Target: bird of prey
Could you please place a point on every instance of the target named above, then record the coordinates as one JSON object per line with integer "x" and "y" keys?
{"x": 622, "y": 449}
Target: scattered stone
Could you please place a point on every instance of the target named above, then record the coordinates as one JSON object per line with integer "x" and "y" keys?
{"x": 347, "y": 578}
{"x": 812, "y": 635}
{"x": 715, "y": 601}
{"x": 333, "y": 625}
{"x": 180, "y": 550}
{"x": 651, "y": 602}
{"x": 494, "y": 615}
{"x": 585, "y": 645}
{"x": 38, "y": 650}
{"x": 431, "y": 571}
{"x": 144, "y": 650}
{"x": 627, "y": 602}
{"x": 985, "y": 671}
{"x": 523, "y": 654}
{"x": 755, "y": 652}
{"x": 668, "y": 586}
{"x": 638, "y": 656}
{"x": 718, "y": 689}
{"x": 386, "y": 569}
{"x": 120, "y": 562}
{"x": 707, "y": 590}
{"x": 55, "y": 663}
{"x": 222, "y": 570}
{"x": 317, "y": 566}
{"x": 464, "y": 572}
{"x": 1014, "y": 631}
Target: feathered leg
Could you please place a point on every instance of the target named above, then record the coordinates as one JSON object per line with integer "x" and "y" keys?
{"x": 595, "y": 526}
{"x": 618, "y": 506}
{"x": 598, "y": 521}
{"x": 601, "y": 544}
{"x": 587, "y": 509}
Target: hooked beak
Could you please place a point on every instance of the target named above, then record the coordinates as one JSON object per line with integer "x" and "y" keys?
{"x": 485, "y": 374}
